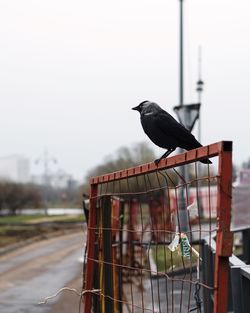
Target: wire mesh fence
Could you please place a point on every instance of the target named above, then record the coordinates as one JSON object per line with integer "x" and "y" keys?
{"x": 145, "y": 234}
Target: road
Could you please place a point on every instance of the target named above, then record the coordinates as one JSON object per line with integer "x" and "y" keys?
{"x": 32, "y": 273}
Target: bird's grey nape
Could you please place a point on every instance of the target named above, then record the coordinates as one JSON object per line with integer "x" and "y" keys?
{"x": 143, "y": 102}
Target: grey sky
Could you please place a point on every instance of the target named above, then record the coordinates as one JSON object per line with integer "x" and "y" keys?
{"x": 70, "y": 71}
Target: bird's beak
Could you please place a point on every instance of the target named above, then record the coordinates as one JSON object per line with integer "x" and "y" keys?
{"x": 136, "y": 108}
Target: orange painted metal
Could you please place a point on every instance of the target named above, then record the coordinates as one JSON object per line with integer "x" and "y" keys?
{"x": 88, "y": 284}
{"x": 178, "y": 160}
{"x": 224, "y": 238}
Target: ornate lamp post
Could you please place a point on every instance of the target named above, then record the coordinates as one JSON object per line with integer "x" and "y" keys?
{"x": 187, "y": 115}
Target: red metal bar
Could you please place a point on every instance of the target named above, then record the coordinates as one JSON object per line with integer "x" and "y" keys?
{"x": 224, "y": 237}
{"x": 178, "y": 160}
{"x": 90, "y": 249}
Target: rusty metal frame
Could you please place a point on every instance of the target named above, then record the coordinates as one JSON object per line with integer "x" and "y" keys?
{"x": 223, "y": 150}
{"x": 224, "y": 238}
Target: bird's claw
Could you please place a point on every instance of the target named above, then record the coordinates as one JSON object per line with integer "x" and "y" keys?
{"x": 157, "y": 161}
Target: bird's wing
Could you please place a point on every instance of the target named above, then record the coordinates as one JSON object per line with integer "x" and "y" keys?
{"x": 171, "y": 127}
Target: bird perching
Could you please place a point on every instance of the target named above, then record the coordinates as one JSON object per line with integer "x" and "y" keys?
{"x": 164, "y": 131}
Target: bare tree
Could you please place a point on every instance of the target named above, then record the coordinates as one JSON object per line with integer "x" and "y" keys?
{"x": 15, "y": 196}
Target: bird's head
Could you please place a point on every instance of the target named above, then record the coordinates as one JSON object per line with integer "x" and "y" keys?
{"x": 141, "y": 106}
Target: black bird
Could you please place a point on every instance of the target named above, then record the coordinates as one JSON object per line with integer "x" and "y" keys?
{"x": 165, "y": 131}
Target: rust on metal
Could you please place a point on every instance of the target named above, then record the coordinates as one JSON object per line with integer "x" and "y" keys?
{"x": 177, "y": 160}
{"x": 88, "y": 283}
{"x": 224, "y": 237}
{"x": 225, "y": 243}
{"x": 135, "y": 229}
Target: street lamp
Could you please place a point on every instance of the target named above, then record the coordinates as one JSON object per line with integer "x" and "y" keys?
{"x": 188, "y": 114}
{"x": 199, "y": 87}
{"x": 199, "y": 90}
{"x": 45, "y": 160}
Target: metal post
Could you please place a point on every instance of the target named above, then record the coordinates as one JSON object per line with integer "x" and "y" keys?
{"x": 108, "y": 287}
{"x": 236, "y": 289}
{"x": 181, "y": 55}
{"x": 45, "y": 159}
{"x": 207, "y": 269}
{"x": 246, "y": 248}
{"x": 120, "y": 286}
{"x": 245, "y": 283}
{"x": 90, "y": 249}
{"x": 199, "y": 90}
{"x": 181, "y": 195}
{"x": 46, "y": 181}
{"x": 224, "y": 238}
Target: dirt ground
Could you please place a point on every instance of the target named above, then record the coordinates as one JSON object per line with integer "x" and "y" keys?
{"x": 39, "y": 270}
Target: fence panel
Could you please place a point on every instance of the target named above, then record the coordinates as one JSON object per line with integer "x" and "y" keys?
{"x": 145, "y": 232}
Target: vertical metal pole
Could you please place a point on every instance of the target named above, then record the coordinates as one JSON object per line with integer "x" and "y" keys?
{"x": 224, "y": 238}
{"x": 246, "y": 248}
{"x": 182, "y": 203}
{"x": 46, "y": 181}
{"x": 120, "y": 286}
{"x": 236, "y": 289}
{"x": 107, "y": 255}
{"x": 90, "y": 249}
{"x": 199, "y": 90}
{"x": 207, "y": 269}
{"x": 45, "y": 159}
{"x": 181, "y": 55}
{"x": 245, "y": 283}
{"x": 199, "y": 95}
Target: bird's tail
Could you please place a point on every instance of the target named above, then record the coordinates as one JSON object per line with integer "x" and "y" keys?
{"x": 206, "y": 161}
{"x": 195, "y": 145}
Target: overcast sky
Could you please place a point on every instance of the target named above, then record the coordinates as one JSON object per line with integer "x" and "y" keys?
{"x": 70, "y": 71}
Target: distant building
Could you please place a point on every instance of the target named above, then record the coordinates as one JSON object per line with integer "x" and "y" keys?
{"x": 15, "y": 168}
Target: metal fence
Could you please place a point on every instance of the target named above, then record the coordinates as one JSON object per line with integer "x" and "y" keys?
{"x": 146, "y": 230}
{"x": 239, "y": 275}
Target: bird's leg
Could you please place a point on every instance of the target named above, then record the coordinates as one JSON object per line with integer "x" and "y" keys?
{"x": 167, "y": 153}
